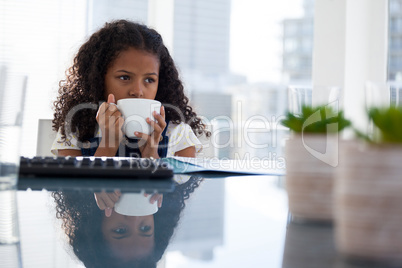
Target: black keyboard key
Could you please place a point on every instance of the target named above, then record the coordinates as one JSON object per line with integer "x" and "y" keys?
{"x": 124, "y": 163}
{"x": 37, "y": 161}
{"x": 86, "y": 162}
{"x": 109, "y": 162}
{"x": 51, "y": 161}
{"x": 135, "y": 163}
{"x": 68, "y": 162}
{"x": 98, "y": 162}
{"x": 146, "y": 163}
{"x": 24, "y": 161}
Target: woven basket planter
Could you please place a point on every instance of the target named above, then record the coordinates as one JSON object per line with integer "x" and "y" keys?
{"x": 309, "y": 180}
{"x": 368, "y": 203}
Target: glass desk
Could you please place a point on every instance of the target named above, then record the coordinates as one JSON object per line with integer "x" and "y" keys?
{"x": 237, "y": 221}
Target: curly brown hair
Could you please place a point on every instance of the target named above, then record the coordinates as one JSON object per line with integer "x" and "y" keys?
{"x": 85, "y": 80}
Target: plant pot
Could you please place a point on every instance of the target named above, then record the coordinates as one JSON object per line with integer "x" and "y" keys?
{"x": 309, "y": 180}
{"x": 368, "y": 203}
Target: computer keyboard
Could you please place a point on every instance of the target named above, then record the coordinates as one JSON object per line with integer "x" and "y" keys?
{"x": 97, "y": 173}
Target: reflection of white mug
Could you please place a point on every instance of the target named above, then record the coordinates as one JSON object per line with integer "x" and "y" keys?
{"x": 135, "y": 204}
{"x": 135, "y": 113}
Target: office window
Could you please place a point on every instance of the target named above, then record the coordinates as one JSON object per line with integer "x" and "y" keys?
{"x": 296, "y": 63}
{"x": 307, "y": 46}
{"x": 395, "y": 41}
{"x": 290, "y": 45}
{"x": 395, "y": 7}
{"x": 101, "y": 11}
{"x": 290, "y": 28}
{"x": 38, "y": 39}
{"x": 238, "y": 51}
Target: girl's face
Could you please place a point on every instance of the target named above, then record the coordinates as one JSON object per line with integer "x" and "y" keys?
{"x": 133, "y": 74}
{"x": 129, "y": 237}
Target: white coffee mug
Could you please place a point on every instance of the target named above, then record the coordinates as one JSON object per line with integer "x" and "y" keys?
{"x": 135, "y": 112}
{"x": 135, "y": 204}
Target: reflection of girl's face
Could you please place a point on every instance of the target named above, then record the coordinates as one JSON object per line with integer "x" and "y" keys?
{"x": 129, "y": 237}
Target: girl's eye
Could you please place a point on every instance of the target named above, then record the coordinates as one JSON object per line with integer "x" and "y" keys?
{"x": 145, "y": 228}
{"x": 121, "y": 230}
{"x": 124, "y": 77}
{"x": 149, "y": 80}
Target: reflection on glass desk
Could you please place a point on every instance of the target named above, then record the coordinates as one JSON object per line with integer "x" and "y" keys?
{"x": 227, "y": 222}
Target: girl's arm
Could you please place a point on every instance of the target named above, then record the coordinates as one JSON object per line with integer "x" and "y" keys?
{"x": 101, "y": 151}
{"x": 69, "y": 152}
{"x": 187, "y": 152}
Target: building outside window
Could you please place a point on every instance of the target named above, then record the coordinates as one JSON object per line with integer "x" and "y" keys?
{"x": 395, "y": 41}
{"x": 298, "y": 46}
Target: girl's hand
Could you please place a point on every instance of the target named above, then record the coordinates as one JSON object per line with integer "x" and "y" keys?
{"x": 149, "y": 143}
{"x": 156, "y": 197}
{"x": 106, "y": 201}
{"x": 110, "y": 122}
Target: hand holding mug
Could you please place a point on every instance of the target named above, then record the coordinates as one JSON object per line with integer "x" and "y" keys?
{"x": 150, "y": 142}
{"x": 106, "y": 201}
{"x": 110, "y": 122}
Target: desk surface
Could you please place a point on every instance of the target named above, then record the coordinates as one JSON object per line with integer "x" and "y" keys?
{"x": 227, "y": 222}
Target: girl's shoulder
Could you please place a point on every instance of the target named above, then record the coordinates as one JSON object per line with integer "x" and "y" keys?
{"x": 181, "y": 129}
{"x": 174, "y": 127}
{"x": 69, "y": 142}
{"x": 181, "y": 136}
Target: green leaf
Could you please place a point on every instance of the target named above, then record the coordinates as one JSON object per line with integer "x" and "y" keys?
{"x": 327, "y": 116}
{"x": 388, "y": 121}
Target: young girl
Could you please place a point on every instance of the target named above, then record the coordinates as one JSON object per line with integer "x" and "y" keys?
{"x": 123, "y": 60}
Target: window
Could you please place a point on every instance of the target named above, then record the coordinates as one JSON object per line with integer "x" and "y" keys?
{"x": 395, "y": 41}
{"x": 238, "y": 51}
{"x": 38, "y": 39}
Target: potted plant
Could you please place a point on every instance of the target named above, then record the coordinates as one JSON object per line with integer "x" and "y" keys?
{"x": 368, "y": 192}
{"x": 311, "y": 156}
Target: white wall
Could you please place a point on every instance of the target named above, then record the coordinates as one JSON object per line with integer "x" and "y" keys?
{"x": 161, "y": 18}
{"x": 350, "y": 48}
